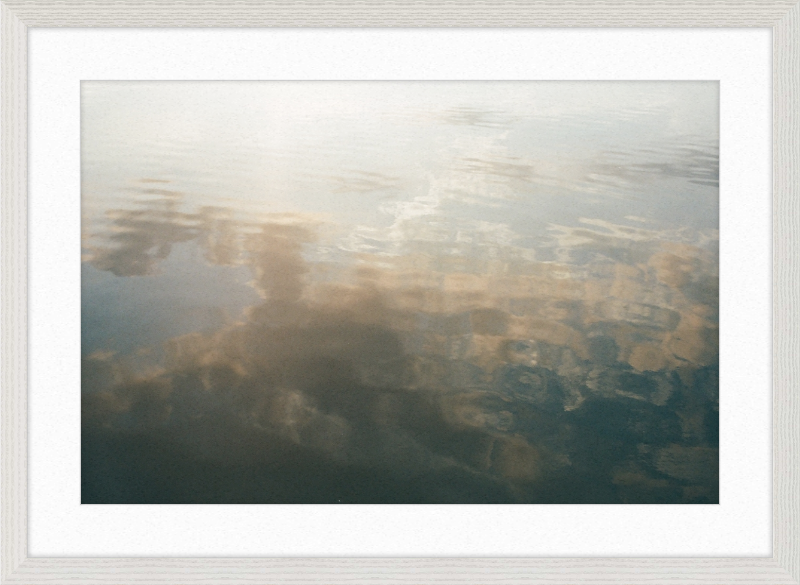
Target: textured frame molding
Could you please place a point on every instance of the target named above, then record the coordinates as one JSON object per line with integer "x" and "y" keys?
{"x": 782, "y": 16}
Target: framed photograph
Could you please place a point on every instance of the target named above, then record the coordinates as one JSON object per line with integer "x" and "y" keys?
{"x": 424, "y": 292}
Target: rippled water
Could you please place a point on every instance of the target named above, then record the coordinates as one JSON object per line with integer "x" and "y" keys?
{"x": 400, "y": 292}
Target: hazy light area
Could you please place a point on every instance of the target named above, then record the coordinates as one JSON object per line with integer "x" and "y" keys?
{"x": 400, "y": 292}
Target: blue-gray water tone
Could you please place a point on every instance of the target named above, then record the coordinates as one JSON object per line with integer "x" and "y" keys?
{"x": 472, "y": 292}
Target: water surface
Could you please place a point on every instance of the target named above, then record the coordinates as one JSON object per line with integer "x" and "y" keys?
{"x": 400, "y": 292}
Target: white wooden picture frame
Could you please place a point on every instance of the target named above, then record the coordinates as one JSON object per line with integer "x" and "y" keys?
{"x": 781, "y": 16}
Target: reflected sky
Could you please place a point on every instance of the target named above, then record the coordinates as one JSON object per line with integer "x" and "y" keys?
{"x": 352, "y": 292}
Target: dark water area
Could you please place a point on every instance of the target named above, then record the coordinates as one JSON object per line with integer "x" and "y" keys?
{"x": 358, "y": 292}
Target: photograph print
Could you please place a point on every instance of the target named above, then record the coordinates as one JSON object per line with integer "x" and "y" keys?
{"x": 399, "y": 292}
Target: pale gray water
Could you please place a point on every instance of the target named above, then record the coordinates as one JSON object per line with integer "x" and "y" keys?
{"x": 400, "y": 292}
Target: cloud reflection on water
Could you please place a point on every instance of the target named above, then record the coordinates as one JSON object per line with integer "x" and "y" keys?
{"x": 417, "y": 377}
{"x": 400, "y": 292}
